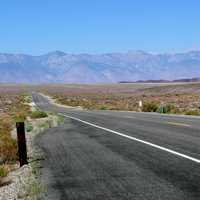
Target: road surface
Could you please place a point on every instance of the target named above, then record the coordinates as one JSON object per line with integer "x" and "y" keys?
{"x": 110, "y": 155}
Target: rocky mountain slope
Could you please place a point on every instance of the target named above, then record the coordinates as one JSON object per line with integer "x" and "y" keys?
{"x": 60, "y": 67}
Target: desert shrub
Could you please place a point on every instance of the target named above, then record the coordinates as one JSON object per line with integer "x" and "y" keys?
{"x": 3, "y": 171}
{"x": 166, "y": 109}
{"x": 20, "y": 116}
{"x": 161, "y": 109}
{"x": 38, "y": 114}
{"x": 150, "y": 107}
{"x": 12, "y": 109}
{"x": 103, "y": 108}
{"x": 29, "y": 127}
{"x": 28, "y": 99}
{"x": 5, "y": 127}
{"x": 193, "y": 112}
{"x": 8, "y": 148}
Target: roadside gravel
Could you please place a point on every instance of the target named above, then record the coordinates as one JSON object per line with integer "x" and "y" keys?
{"x": 24, "y": 183}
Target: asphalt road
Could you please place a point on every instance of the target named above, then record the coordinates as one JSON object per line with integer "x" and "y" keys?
{"x": 104, "y": 155}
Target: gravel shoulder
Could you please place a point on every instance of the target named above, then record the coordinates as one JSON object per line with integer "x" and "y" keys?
{"x": 24, "y": 183}
{"x": 54, "y": 102}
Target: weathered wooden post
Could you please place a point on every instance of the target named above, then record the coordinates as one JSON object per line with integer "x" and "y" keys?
{"x": 22, "y": 152}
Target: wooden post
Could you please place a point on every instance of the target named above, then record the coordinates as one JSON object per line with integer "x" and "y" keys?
{"x": 22, "y": 152}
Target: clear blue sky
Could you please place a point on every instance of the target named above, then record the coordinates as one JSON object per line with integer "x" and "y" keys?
{"x": 96, "y": 26}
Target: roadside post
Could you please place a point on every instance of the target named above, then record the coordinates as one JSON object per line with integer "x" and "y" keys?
{"x": 162, "y": 107}
{"x": 21, "y": 139}
{"x": 140, "y": 105}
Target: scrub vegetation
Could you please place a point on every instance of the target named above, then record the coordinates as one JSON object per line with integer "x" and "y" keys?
{"x": 162, "y": 98}
{"x": 3, "y": 171}
{"x": 38, "y": 114}
{"x": 12, "y": 108}
{"x": 181, "y": 98}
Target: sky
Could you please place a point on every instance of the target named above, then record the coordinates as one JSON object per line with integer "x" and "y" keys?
{"x": 99, "y": 26}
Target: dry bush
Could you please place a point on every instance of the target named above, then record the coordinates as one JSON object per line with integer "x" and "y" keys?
{"x": 8, "y": 145}
{"x": 150, "y": 107}
{"x": 193, "y": 112}
{"x": 127, "y": 96}
{"x": 3, "y": 172}
{"x": 38, "y": 114}
{"x": 12, "y": 108}
{"x": 8, "y": 149}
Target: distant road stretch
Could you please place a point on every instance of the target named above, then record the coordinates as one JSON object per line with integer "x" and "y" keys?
{"x": 104, "y": 155}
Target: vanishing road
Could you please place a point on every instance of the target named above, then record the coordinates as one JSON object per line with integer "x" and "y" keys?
{"x": 104, "y": 155}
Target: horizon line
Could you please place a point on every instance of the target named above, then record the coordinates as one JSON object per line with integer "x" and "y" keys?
{"x": 114, "y": 52}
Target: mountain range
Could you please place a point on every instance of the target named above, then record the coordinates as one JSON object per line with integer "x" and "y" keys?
{"x": 60, "y": 67}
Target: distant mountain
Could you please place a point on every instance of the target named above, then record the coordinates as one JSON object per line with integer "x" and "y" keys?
{"x": 188, "y": 80}
{"x": 185, "y": 80}
{"x": 60, "y": 67}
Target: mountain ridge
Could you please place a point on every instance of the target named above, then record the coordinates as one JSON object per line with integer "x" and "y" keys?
{"x": 61, "y": 67}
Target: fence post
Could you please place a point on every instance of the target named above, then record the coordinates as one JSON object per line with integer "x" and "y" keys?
{"x": 22, "y": 152}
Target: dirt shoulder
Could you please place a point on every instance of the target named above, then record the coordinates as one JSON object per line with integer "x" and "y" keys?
{"x": 24, "y": 183}
{"x": 55, "y": 102}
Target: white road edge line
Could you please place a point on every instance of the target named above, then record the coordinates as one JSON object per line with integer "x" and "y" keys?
{"x": 135, "y": 139}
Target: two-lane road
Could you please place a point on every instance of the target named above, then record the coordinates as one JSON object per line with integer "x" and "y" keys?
{"x": 120, "y": 155}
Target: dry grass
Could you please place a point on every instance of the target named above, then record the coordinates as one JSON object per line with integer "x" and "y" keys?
{"x": 8, "y": 146}
{"x": 180, "y": 98}
{"x": 175, "y": 98}
{"x": 12, "y": 108}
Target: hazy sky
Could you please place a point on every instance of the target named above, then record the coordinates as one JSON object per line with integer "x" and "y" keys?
{"x": 96, "y": 26}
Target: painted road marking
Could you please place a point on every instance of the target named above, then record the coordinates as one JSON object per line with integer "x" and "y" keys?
{"x": 135, "y": 139}
{"x": 178, "y": 124}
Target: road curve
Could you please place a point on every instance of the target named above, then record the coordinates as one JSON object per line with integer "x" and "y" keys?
{"x": 86, "y": 158}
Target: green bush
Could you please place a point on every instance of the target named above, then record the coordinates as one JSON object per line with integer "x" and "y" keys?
{"x": 29, "y": 127}
{"x": 103, "y": 108}
{"x": 150, "y": 107}
{"x": 161, "y": 109}
{"x": 28, "y": 99}
{"x": 165, "y": 109}
{"x": 3, "y": 171}
{"x": 193, "y": 112}
{"x": 38, "y": 114}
